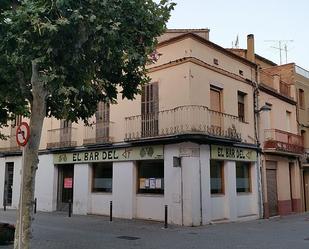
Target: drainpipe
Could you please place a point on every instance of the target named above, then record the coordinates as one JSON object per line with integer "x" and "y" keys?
{"x": 201, "y": 195}
{"x": 257, "y": 137}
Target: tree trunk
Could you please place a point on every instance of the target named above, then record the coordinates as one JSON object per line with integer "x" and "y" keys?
{"x": 30, "y": 162}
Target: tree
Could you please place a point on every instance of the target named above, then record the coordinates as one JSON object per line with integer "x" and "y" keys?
{"x": 59, "y": 58}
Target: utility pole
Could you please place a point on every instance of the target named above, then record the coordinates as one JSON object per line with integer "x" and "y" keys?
{"x": 281, "y": 48}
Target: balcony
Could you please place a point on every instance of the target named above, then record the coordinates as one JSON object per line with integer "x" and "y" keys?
{"x": 282, "y": 141}
{"x": 190, "y": 119}
{"x": 9, "y": 145}
{"x": 98, "y": 133}
{"x": 62, "y": 137}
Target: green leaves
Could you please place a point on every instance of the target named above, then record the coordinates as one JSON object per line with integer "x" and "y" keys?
{"x": 86, "y": 51}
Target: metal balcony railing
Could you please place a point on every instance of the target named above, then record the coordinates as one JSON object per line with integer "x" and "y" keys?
{"x": 10, "y": 144}
{"x": 98, "y": 132}
{"x": 62, "y": 137}
{"x": 283, "y": 141}
{"x": 191, "y": 119}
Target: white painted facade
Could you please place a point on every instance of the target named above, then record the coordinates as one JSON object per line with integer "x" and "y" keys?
{"x": 186, "y": 189}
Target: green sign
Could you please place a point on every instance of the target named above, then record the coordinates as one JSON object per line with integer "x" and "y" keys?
{"x": 232, "y": 153}
{"x": 111, "y": 155}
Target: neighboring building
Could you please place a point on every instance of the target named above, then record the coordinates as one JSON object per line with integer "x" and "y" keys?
{"x": 282, "y": 146}
{"x": 187, "y": 142}
{"x": 298, "y": 79}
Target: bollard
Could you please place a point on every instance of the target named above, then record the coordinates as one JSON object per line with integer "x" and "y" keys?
{"x": 165, "y": 216}
{"x": 110, "y": 211}
{"x": 35, "y": 201}
{"x": 70, "y": 208}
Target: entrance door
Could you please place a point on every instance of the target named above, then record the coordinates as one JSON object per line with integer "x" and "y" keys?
{"x": 65, "y": 186}
{"x": 271, "y": 178}
{"x": 8, "y": 183}
{"x": 306, "y": 186}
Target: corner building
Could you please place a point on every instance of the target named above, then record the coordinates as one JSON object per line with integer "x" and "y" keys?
{"x": 187, "y": 142}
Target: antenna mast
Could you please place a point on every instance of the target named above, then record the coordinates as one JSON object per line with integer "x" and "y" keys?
{"x": 282, "y": 46}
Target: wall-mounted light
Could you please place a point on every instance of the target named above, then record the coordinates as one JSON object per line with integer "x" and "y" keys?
{"x": 264, "y": 108}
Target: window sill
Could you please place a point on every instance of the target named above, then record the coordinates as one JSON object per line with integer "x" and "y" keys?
{"x": 218, "y": 195}
{"x": 149, "y": 195}
{"x": 244, "y": 193}
{"x": 101, "y": 193}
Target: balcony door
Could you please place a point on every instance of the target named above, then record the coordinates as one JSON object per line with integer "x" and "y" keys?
{"x": 102, "y": 123}
{"x": 216, "y": 107}
{"x": 150, "y": 110}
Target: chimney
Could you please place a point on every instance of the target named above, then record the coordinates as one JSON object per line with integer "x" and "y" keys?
{"x": 250, "y": 48}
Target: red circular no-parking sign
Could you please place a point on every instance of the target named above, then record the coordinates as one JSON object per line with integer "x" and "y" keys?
{"x": 22, "y": 134}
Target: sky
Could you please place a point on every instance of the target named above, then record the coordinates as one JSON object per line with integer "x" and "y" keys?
{"x": 269, "y": 21}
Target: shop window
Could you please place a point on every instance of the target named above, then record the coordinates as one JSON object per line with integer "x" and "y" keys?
{"x": 216, "y": 177}
{"x": 102, "y": 178}
{"x": 241, "y": 106}
{"x": 151, "y": 177}
{"x": 243, "y": 181}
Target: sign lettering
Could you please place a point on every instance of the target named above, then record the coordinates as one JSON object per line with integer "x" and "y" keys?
{"x": 125, "y": 154}
{"x": 232, "y": 153}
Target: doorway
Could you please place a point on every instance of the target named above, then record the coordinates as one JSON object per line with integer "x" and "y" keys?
{"x": 306, "y": 189}
{"x": 65, "y": 187}
{"x": 8, "y": 184}
{"x": 272, "y": 196}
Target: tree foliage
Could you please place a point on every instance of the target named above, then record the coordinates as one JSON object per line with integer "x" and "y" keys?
{"x": 86, "y": 51}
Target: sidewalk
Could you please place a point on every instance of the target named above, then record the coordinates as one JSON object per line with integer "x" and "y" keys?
{"x": 57, "y": 231}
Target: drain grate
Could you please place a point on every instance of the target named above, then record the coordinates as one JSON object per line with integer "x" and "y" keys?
{"x": 128, "y": 237}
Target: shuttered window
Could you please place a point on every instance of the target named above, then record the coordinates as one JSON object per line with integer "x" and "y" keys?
{"x": 102, "y": 122}
{"x": 150, "y": 109}
{"x": 241, "y": 105}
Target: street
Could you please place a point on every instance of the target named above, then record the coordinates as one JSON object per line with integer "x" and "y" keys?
{"x": 56, "y": 230}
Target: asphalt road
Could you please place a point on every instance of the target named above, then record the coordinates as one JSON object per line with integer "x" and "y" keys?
{"x": 57, "y": 231}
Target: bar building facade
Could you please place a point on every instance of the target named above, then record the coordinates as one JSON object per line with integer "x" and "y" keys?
{"x": 188, "y": 142}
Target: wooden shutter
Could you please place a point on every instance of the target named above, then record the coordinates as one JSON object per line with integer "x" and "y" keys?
{"x": 150, "y": 109}
{"x": 102, "y": 122}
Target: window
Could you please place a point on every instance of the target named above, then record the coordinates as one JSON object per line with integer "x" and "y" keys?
{"x": 17, "y": 121}
{"x": 241, "y": 105}
{"x": 151, "y": 177}
{"x": 243, "y": 181}
{"x": 102, "y": 177}
{"x": 288, "y": 121}
{"x": 301, "y": 98}
{"x": 150, "y": 109}
{"x": 216, "y": 62}
{"x": 216, "y": 177}
{"x": 241, "y": 72}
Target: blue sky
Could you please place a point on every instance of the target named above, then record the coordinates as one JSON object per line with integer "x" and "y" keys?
{"x": 267, "y": 20}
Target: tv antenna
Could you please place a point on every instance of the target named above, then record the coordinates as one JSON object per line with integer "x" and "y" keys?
{"x": 282, "y": 46}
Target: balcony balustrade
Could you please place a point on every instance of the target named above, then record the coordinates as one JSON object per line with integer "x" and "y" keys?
{"x": 283, "y": 141}
{"x": 62, "y": 137}
{"x": 97, "y": 133}
{"x": 191, "y": 119}
{"x": 10, "y": 144}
